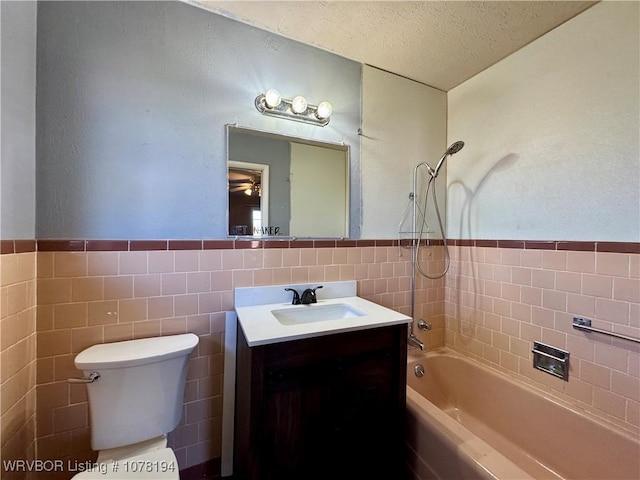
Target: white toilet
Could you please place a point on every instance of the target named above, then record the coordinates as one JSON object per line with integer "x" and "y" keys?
{"x": 134, "y": 403}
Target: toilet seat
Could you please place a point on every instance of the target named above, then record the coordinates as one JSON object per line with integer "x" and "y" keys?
{"x": 157, "y": 464}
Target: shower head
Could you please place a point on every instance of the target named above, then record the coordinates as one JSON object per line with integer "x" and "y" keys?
{"x": 455, "y": 147}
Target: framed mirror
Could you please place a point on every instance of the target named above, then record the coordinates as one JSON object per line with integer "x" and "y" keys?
{"x": 281, "y": 186}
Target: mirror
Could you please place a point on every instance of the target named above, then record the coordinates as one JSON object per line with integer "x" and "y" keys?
{"x": 282, "y": 186}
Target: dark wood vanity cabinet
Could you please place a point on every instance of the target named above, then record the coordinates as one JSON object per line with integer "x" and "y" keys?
{"x": 328, "y": 407}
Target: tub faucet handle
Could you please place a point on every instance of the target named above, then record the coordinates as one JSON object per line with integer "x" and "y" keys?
{"x": 422, "y": 325}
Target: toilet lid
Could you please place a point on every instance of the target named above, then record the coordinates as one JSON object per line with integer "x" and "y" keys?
{"x": 158, "y": 464}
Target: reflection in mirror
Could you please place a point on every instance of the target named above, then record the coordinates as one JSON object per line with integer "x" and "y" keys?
{"x": 248, "y": 197}
{"x": 285, "y": 186}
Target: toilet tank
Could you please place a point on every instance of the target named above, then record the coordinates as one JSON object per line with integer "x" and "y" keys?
{"x": 140, "y": 392}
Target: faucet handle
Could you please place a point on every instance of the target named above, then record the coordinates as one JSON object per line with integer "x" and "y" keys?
{"x": 313, "y": 293}
{"x": 309, "y": 296}
{"x": 296, "y": 296}
{"x": 422, "y": 325}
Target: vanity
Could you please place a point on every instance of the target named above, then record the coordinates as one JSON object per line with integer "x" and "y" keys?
{"x": 320, "y": 388}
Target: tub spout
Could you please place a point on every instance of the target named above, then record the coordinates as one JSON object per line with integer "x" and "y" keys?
{"x": 413, "y": 341}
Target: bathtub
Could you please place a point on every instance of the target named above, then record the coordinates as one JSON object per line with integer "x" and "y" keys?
{"x": 468, "y": 421}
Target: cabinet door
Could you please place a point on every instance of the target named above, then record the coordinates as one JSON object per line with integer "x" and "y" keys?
{"x": 337, "y": 418}
{"x": 370, "y": 416}
{"x": 324, "y": 408}
{"x": 298, "y": 409}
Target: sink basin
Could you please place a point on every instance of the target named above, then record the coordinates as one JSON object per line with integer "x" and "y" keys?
{"x": 315, "y": 313}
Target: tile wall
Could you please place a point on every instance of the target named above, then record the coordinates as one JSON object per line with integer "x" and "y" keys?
{"x": 88, "y": 297}
{"x": 500, "y": 300}
{"x": 497, "y": 298}
{"x": 17, "y": 357}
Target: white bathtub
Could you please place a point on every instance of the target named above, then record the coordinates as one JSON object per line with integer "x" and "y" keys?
{"x": 468, "y": 421}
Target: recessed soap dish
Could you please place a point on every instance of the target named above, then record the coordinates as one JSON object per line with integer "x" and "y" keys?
{"x": 551, "y": 360}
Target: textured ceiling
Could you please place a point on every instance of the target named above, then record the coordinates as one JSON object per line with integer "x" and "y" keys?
{"x": 439, "y": 43}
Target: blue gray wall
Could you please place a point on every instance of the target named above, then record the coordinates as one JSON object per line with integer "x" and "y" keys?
{"x": 133, "y": 99}
{"x": 18, "y": 120}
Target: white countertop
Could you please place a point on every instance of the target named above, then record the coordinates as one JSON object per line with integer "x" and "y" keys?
{"x": 261, "y": 327}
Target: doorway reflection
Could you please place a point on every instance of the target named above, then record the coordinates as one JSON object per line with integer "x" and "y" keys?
{"x": 246, "y": 202}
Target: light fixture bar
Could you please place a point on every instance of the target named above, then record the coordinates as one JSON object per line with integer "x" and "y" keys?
{"x": 294, "y": 109}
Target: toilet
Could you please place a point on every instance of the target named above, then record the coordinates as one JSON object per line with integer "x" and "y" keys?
{"x": 135, "y": 390}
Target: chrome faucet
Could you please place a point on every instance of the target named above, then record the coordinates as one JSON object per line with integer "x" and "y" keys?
{"x": 413, "y": 341}
{"x": 309, "y": 296}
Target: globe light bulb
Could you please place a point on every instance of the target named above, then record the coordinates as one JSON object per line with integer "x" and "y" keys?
{"x": 324, "y": 110}
{"x": 299, "y": 104}
{"x": 272, "y": 98}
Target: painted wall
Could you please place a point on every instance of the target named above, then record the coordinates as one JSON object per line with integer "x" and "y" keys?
{"x": 552, "y": 136}
{"x": 131, "y": 94}
{"x": 18, "y": 110}
{"x": 403, "y": 124}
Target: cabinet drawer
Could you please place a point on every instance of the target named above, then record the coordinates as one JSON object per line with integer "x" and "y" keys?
{"x": 312, "y": 350}
{"x": 366, "y": 369}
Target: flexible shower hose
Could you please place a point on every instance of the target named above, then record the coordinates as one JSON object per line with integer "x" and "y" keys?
{"x": 447, "y": 260}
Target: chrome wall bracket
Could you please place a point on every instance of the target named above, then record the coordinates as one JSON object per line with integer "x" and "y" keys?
{"x": 584, "y": 324}
{"x": 551, "y": 360}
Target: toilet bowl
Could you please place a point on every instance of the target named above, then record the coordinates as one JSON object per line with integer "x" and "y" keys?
{"x": 135, "y": 390}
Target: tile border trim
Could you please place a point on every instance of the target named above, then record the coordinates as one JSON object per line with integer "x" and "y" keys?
{"x": 76, "y": 245}
{"x": 17, "y": 246}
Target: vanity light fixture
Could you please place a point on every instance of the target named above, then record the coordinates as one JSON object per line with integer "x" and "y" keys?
{"x": 271, "y": 103}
